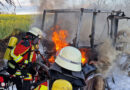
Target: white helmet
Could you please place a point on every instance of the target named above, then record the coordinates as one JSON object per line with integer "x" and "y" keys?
{"x": 69, "y": 58}
{"x": 37, "y": 32}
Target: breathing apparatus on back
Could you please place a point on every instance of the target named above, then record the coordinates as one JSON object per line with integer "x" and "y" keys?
{"x": 34, "y": 35}
{"x": 12, "y": 43}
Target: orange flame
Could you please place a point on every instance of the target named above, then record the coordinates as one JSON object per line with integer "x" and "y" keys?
{"x": 59, "y": 38}
{"x": 52, "y": 59}
{"x": 84, "y": 56}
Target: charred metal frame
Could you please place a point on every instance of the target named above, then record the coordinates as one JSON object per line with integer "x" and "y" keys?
{"x": 78, "y": 28}
{"x": 114, "y": 23}
{"x": 93, "y": 30}
{"x": 114, "y": 17}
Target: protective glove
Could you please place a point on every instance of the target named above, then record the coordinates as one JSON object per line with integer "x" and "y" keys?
{"x": 29, "y": 65}
{"x": 37, "y": 51}
{"x": 87, "y": 69}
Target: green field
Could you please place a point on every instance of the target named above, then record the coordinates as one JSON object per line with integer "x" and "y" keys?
{"x": 13, "y": 24}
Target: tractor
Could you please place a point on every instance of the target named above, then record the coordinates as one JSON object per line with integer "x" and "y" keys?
{"x": 84, "y": 29}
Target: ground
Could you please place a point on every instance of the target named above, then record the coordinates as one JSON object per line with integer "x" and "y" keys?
{"x": 121, "y": 78}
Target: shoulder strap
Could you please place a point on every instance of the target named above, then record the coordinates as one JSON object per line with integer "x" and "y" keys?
{"x": 29, "y": 53}
{"x": 28, "y": 50}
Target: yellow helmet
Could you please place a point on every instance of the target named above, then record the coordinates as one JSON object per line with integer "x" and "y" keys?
{"x": 37, "y": 32}
{"x": 61, "y": 84}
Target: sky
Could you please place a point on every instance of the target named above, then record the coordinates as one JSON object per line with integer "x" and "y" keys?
{"x": 22, "y": 7}
{"x": 26, "y": 7}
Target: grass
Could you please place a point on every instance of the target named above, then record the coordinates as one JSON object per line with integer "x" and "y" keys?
{"x": 14, "y": 24}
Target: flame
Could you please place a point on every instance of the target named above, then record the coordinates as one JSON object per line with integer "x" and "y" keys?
{"x": 52, "y": 59}
{"x": 59, "y": 38}
{"x": 84, "y": 55}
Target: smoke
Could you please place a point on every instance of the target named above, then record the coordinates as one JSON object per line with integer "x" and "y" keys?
{"x": 109, "y": 56}
{"x": 123, "y": 5}
{"x": 106, "y": 57}
{"x": 123, "y": 41}
{"x": 70, "y": 21}
{"x": 46, "y": 4}
{"x": 107, "y": 53}
{"x": 53, "y": 4}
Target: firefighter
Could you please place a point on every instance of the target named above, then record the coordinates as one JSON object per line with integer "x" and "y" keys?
{"x": 23, "y": 56}
{"x": 67, "y": 66}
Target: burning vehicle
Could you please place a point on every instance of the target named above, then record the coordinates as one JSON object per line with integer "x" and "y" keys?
{"x": 85, "y": 30}
{"x": 57, "y": 25}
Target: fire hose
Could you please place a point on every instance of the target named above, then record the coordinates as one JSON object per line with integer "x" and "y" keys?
{"x": 46, "y": 65}
{"x": 46, "y": 61}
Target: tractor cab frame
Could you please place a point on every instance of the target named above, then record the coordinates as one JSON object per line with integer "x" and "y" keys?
{"x": 113, "y": 18}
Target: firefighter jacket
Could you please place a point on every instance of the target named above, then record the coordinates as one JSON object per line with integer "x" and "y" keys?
{"x": 23, "y": 54}
{"x": 77, "y": 79}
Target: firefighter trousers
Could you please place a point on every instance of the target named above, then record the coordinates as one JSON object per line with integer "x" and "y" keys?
{"x": 25, "y": 85}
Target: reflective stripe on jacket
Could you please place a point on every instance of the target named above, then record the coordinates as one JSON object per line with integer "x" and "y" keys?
{"x": 21, "y": 53}
{"x": 18, "y": 58}
{"x": 29, "y": 77}
{"x": 18, "y": 73}
{"x": 43, "y": 86}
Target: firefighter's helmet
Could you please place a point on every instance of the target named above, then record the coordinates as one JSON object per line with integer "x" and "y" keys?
{"x": 69, "y": 58}
{"x": 61, "y": 84}
{"x": 37, "y": 32}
